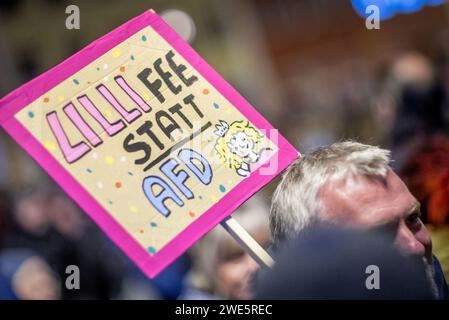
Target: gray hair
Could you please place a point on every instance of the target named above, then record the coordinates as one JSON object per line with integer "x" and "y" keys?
{"x": 295, "y": 203}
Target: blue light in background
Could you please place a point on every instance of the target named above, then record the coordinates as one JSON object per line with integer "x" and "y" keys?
{"x": 410, "y": 6}
{"x": 389, "y": 8}
{"x": 386, "y": 10}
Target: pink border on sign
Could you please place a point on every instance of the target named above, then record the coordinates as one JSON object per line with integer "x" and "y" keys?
{"x": 151, "y": 265}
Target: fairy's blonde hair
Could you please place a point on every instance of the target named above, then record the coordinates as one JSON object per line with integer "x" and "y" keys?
{"x": 226, "y": 155}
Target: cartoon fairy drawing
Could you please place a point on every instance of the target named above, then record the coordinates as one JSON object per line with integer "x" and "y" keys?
{"x": 238, "y": 145}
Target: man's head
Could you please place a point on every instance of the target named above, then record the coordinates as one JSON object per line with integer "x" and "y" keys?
{"x": 349, "y": 184}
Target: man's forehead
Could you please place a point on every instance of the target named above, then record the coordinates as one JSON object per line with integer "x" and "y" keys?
{"x": 364, "y": 201}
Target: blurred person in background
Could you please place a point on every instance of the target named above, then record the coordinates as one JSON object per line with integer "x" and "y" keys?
{"x": 426, "y": 173}
{"x": 168, "y": 285}
{"x": 221, "y": 268}
{"x": 413, "y": 105}
{"x": 26, "y": 276}
{"x": 328, "y": 262}
{"x": 32, "y": 228}
{"x": 64, "y": 216}
{"x": 49, "y": 224}
{"x": 100, "y": 263}
{"x": 421, "y": 101}
{"x": 351, "y": 184}
{"x": 5, "y": 207}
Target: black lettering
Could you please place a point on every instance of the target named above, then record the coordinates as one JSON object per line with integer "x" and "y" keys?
{"x": 146, "y": 128}
{"x": 177, "y": 109}
{"x": 189, "y": 100}
{"x": 137, "y": 146}
{"x": 167, "y": 129}
{"x": 178, "y": 69}
{"x": 154, "y": 87}
{"x": 166, "y": 77}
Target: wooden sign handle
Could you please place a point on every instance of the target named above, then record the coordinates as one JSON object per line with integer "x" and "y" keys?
{"x": 247, "y": 242}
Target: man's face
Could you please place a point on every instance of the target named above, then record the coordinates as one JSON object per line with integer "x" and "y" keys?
{"x": 361, "y": 202}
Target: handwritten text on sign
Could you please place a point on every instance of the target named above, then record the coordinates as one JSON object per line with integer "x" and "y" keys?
{"x": 147, "y": 138}
{"x": 128, "y": 121}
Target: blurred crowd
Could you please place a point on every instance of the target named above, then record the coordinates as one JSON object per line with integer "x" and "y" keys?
{"x": 403, "y": 107}
{"x": 43, "y": 232}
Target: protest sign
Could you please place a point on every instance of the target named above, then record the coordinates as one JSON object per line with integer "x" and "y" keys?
{"x": 147, "y": 138}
